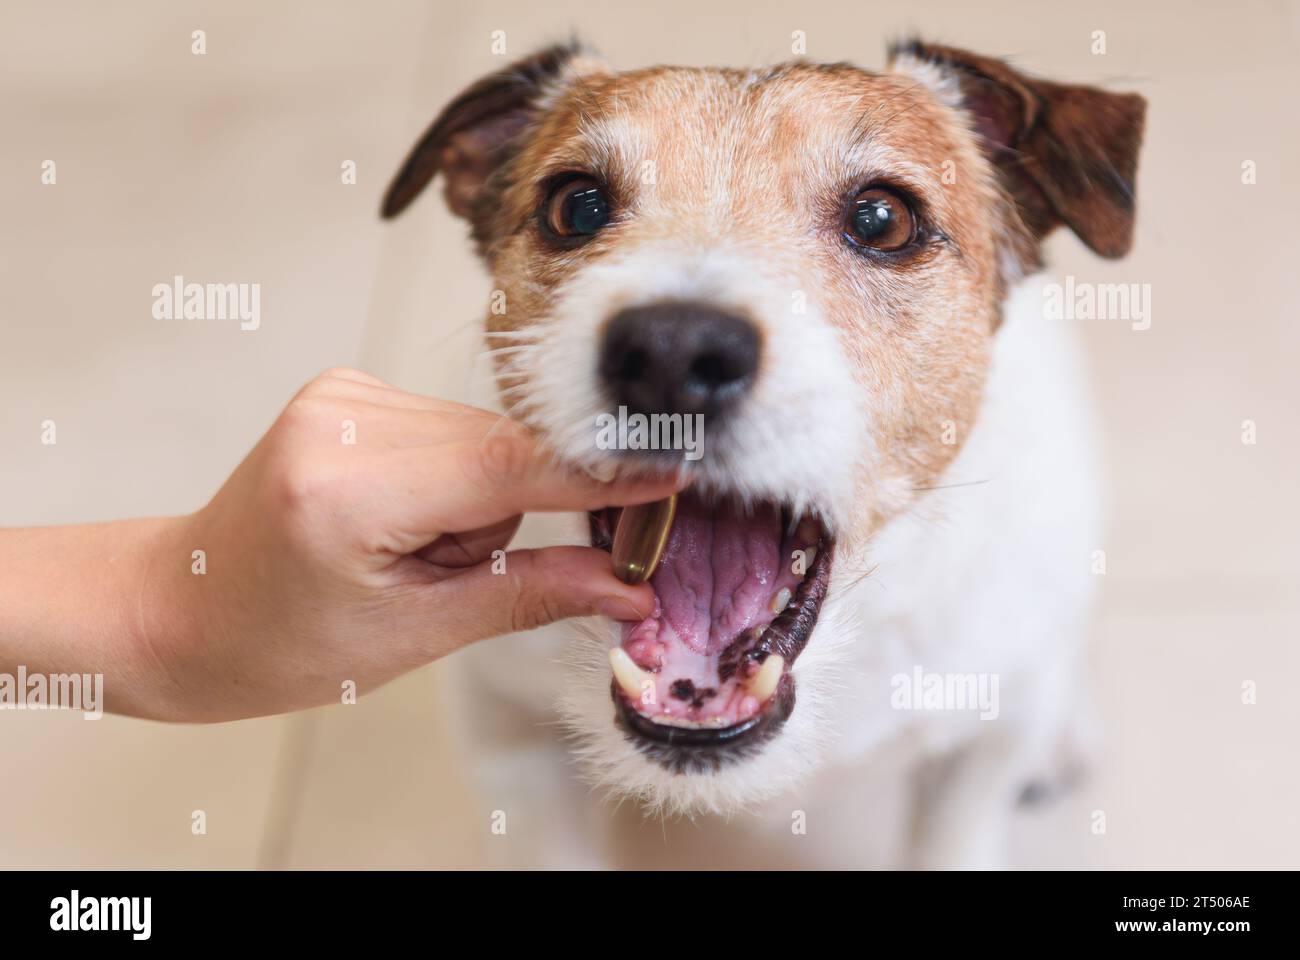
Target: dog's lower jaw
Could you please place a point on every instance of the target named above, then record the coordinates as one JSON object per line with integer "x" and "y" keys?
{"x": 611, "y": 763}
{"x": 704, "y": 681}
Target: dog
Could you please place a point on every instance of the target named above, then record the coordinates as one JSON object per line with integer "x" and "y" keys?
{"x": 884, "y": 550}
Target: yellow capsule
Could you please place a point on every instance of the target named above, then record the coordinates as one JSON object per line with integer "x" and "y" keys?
{"x": 641, "y": 537}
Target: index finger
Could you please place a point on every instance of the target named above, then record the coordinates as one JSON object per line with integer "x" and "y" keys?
{"x": 499, "y": 470}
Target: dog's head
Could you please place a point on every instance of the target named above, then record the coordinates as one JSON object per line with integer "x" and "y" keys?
{"x": 809, "y": 260}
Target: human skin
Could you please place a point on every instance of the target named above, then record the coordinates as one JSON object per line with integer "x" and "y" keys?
{"x": 322, "y": 562}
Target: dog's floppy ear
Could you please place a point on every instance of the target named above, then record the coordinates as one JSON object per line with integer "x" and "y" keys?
{"x": 1067, "y": 154}
{"x": 474, "y": 133}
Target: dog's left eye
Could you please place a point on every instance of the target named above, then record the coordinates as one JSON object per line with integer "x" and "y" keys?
{"x": 881, "y": 219}
{"x": 577, "y": 208}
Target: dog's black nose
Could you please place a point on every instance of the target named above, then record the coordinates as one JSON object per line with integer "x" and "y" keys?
{"x": 678, "y": 357}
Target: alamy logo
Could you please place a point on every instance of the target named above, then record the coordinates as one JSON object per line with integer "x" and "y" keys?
{"x": 179, "y": 300}
{"x": 658, "y": 431}
{"x": 1098, "y": 301}
{"x": 133, "y": 914}
{"x": 920, "y": 690}
{"x": 55, "y": 691}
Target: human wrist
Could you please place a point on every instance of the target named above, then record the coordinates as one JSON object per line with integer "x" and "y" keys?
{"x": 162, "y": 626}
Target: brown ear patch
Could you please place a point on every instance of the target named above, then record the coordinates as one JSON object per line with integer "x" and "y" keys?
{"x": 1068, "y": 154}
{"x": 473, "y": 134}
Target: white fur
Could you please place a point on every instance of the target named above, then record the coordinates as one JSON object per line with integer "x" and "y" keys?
{"x": 988, "y": 574}
{"x": 942, "y": 83}
{"x": 788, "y": 441}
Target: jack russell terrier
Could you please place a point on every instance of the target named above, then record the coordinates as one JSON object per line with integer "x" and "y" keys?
{"x": 886, "y": 545}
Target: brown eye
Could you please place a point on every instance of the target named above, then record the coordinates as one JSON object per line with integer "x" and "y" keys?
{"x": 880, "y": 219}
{"x": 577, "y": 208}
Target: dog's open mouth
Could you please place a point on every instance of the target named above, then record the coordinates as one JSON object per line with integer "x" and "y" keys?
{"x": 707, "y": 677}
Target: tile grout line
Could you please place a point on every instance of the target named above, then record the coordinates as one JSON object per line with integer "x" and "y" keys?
{"x": 288, "y": 789}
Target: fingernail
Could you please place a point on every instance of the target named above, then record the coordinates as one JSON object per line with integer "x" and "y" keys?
{"x": 603, "y": 471}
{"x": 617, "y": 608}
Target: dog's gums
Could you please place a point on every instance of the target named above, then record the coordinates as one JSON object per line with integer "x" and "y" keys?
{"x": 706, "y": 677}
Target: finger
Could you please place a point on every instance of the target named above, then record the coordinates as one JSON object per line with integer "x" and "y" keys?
{"x": 480, "y": 481}
{"x": 385, "y": 418}
{"x": 458, "y": 550}
{"x": 354, "y": 376}
{"x": 538, "y": 587}
{"x": 514, "y": 469}
{"x": 381, "y": 395}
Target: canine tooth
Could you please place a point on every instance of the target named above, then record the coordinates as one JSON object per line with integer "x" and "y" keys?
{"x": 780, "y": 599}
{"x": 809, "y": 555}
{"x": 641, "y": 537}
{"x": 763, "y": 684}
{"x": 632, "y": 679}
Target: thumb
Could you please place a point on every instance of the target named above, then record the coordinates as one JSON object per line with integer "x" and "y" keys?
{"x": 536, "y": 587}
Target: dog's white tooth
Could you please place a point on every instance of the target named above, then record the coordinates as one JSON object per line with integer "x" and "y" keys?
{"x": 809, "y": 555}
{"x": 780, "y": 599}
{"x": 666, "y": 721}
{"x": 763, "y": 684}
{"x": 631, "y": 678}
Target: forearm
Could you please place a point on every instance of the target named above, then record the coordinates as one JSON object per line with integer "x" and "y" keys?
{"x": 91, "y": 599}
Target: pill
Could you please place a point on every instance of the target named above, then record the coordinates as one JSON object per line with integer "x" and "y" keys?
{"x": 641, "y": 537}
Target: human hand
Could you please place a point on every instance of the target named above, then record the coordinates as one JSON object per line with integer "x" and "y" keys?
{"x": 328, "y": 561}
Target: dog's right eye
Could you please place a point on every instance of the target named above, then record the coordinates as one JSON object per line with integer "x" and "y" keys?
{"x": 577, "y": 208}
{"x": 879, "y": 218}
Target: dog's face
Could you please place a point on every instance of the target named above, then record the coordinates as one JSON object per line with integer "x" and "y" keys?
{"x": 811, "y": 260}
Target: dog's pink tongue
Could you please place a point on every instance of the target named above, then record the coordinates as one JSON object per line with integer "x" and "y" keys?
{"x": 718, "y": 572}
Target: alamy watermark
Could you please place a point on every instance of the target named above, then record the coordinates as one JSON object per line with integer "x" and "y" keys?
{"x": 179, "y": 300}
{"x": 1098, "y": 301}
{"x": 920, "y": 690}
{"x": 656, "y": 431}
{"x": 75, "y": 913}
{"x": 54, "y": 691}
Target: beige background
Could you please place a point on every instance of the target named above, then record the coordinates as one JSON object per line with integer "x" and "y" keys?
{"x": 226, "y": 167}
